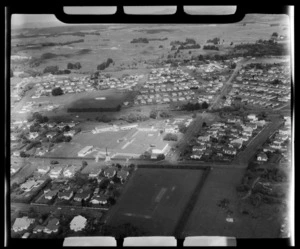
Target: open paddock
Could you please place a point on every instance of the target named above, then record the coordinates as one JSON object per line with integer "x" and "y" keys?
{"x": 154, "y": 199}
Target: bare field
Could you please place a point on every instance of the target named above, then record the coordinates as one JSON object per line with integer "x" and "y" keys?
{"x": 154, "y": 198}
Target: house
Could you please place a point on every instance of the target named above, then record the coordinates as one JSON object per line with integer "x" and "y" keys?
{"x": 285, "y": 131}
{"x": 122, "y": 174}
{"x": 204, "y": 138}
{"x": 70, "y": 133}
{"x": 83, "y": 152}
{"x": 21, "y": 224}
{"x": 197, "y": 155}
{"x": 43, "y": 169}
{"x": 66, "y": 195}
{"x": 78, "y": 223}
{"x": 95, "y": 173}
{"x": 29, "y": 185}
{"x": 247, "y": 133}
{"x": 262, "y": 157}
{"x": 38, "y": 229}
{"x": 52, "y": 226}
{"x": 110, "y": 172}
{"x": 268, "y": 148}
{"x": 199, "y": 148}
{"x": 252, "y": 117}
{"x": 102, "y": 199}
{"x": 70, "y": 171}
{"x": 237, "y": 143}
{"x": 82, "y": 195}
{"x": 229, "y": 151}
{"x": 33, "y": 135}
{"x": 51, "y": 194}
{"x": 55, "y": 172}
{"x": 51, "y": 134}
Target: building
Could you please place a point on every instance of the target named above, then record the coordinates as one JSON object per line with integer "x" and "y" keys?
{"x": 83, "y": 152}
{"x": 229, "y": 151}
{"x": 82, "y": 195}
{"x": 252, "y": 117}
{"x": 95, "y": 173}
{"x": 128, "y": 127}
{"x": 66, "y": 195}
{"x": 55, "y": 172}
{"x": 204, "y": 138}
{"x": 78, "y": 223}
{"x": 237, "y": 143}
{"x": 70, "y": 133}
{"x": 33, "y": 135}
{"x": 52, "y": 226}
{"x": 100, "y": 129}
{"x": 43, "y": 169}
{"x": 70, "y": 171}
{"x": 102, "y": 199}
{"x": 197, "y": 155}
{"x": 29, "y": 185}
{"x": 51, "y": 194}
{"x": 262, "y": 157}
{"x": 21, "y": 224}
{"x": 38, "y": 229}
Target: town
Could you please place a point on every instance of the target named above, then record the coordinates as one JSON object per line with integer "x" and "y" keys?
{"x": 86, "y": 147}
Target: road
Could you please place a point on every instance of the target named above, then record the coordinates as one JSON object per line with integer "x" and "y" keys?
{"x": 227, "y": 85}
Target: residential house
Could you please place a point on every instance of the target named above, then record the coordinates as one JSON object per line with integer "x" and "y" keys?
{"x": 52, "y": 226}
{"x": 95, "y": 173}
{"x": 21, "y": 224}
{"x": 229, "y": 151}
{"x": 252, "y": 117}
{"x": 38, "y": 229}
{"x": 237, "y": 143}
{"x": 55, "y": 172}
{"x": 70, "y": 133}
{"x": 204, "y": 138}
{"x": 102, "y": 199}
{"x": 199, "y": 148}
{"x": 33, "y": 135}
{"x": 197, "y": 155}
{"x": 29, "y": 185}
{"x": 51, "y": 194}
{"x": 43, "y": 169}
{"x": 110, "y": 172}
{"x": 66, "y": 195}
{"x": 51, "y": 134}
{"x": 70, "y": 171}
{"x": 262, "y": 157}
{"x": 82, "y": 195}
{"x": 78, "y": 223}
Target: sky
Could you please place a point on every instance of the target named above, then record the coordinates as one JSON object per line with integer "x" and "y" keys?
{"x": 22, "y": 20}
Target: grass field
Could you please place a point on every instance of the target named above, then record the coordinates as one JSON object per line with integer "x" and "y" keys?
{"x": 208, "y": 219}
{"x": 154, "y": 199}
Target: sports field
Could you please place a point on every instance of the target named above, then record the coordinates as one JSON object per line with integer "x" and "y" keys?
{"x": 154, "y": 199}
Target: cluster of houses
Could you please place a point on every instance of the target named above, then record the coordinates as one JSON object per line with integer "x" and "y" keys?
{"x": 78, "y": 223}
{"x": 127, "y": 82}
{"x": 67, "y": 84}
{"x": 224, "y": 139}
{"x": 254, "y": 87}
{"x": 279, "y": 141}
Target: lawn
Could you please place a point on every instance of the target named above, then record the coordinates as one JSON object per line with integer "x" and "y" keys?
{"x": 154, "y": 199}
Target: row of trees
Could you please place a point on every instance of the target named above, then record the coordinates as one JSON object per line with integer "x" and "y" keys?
{"x": 104, "y": 65}
{"x": 140, "y": 40}
{"x": 210, "y": 47}
{"x": 76, "y": 65}
{"x": 55, "y": 70}
{"x": 196, "y": 106}
{"x": 215, "y": 40}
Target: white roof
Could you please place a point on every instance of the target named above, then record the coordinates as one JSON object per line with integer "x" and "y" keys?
{"x": 78, "y": 222}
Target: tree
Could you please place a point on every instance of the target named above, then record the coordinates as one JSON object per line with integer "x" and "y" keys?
{"x": 275, "y": 34}
{"x": 51, "y": 69}
{"x": 170, "y": 137}
{"x": 23, "y": 154}
{"x": 204, "y": 105}
{"x": 182, "y": 128}
{"x": 204, "y": 124}
{"x": 161, "y": 157}
{"x": 153, "y": 114}
{"x": 57, "y": 91}
{"x": 84, "y": 163}
{"x": 54, "y": 162}
{"x": 66, "y": 128}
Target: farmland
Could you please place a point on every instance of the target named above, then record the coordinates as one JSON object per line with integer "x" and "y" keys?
{"x": 154, "y": 199}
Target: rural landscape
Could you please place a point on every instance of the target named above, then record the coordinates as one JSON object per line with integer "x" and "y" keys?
{"x": 151, "y": 130}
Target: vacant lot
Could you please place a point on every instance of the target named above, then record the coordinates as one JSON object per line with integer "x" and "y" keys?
{"x": 154, "y": 199}
{"x": 208, "y": 219}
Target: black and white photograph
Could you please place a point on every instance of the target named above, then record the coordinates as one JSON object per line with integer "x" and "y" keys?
{"x": 150, "y": 129}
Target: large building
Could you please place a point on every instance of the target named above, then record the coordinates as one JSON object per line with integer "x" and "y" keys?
{"x": 85, "y": 151}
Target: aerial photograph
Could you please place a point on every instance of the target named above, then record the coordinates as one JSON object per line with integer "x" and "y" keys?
{"x": 150, "y": 129}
